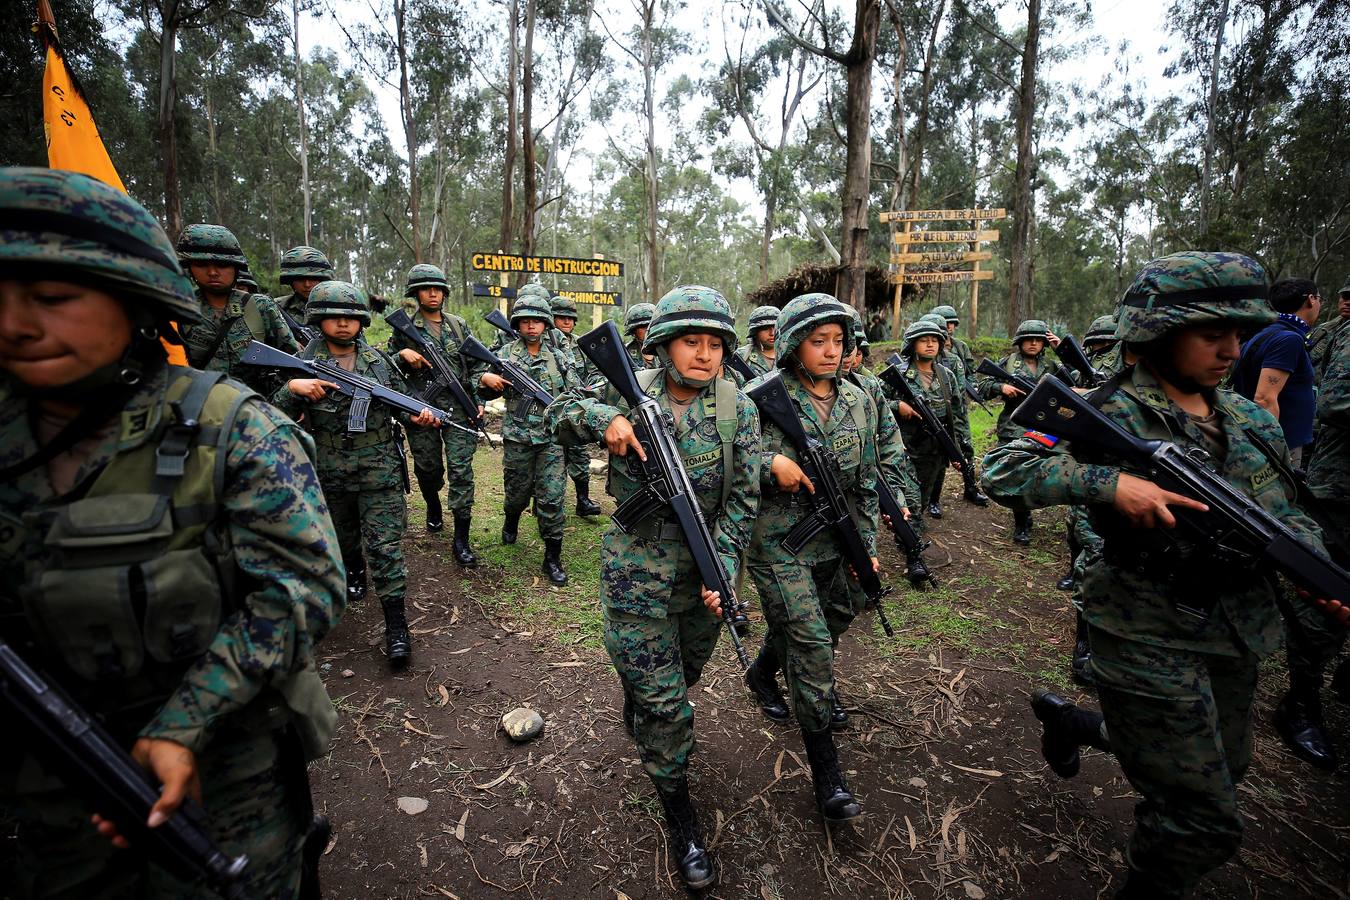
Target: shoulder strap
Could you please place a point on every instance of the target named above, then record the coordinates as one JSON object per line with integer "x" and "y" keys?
{"x": 311, "y": 350}
{"x": 646, "y": 378}
{"x": 253, "y": 318}
{"x": 724, "y": 399}
{"x": 183, "y": 431}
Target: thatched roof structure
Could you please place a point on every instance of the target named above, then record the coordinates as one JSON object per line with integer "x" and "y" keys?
{"x": 814, "y": 278}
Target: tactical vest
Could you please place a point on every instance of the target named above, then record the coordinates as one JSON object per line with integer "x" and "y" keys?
{"x": 133, "y": 578}
{"x": 253, "y": 321}
{"x": 724, "y": 408}
{"x": 380, "y": 367}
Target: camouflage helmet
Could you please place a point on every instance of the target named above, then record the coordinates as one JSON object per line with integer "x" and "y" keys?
{"x": 1030, "y": 328}
{"x": 563, "y": 306}
{"x": 763, "y": 317}
{"x": 531, "y": 306}
{"x": 534, "y": 288}
{"x": 924, "y": 326}
{"x": 423, "y": 275}
{"x": 1186, "y": 288}
{"x": 639, "y": 315}
{"x": 245, "y": 281}
{"x": 937, "y": 319}
{"x": 1103, "y": 328}
{"x": 803, "y": 315}
{"x": 691, "y": 307}
{"x": 66, "y": 221}
{"x": 859, "y": 331}
{"x": 1345, "y": 288}
{"x": 337, "y": 300}
{"x": 948, "y": 313}
{"x": 210, "y": 243}
{"x": 305, "y": 262}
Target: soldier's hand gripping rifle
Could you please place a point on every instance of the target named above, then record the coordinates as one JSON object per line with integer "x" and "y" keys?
{"x": 362, "y": 390}
{"x": 830, "y": 507}
{"x": 443, "y": 381}
{"x": 1072, "y": 354}
{"x": 1000, "y": 374}
{"x": 529, "y": 390}
{"x": 303, "y": 333}
{"x": 665, "y": 483}
{"x": 110, "y": 783}
{"x": 1235, "y": 526}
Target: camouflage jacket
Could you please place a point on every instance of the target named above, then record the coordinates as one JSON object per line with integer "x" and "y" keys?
{"x": 366, "y": 460}
{"x": 991, "y": 389}
{"x": 891, "y": 453}
{"x": 1329, "y": 471}
{"x": 962, "y": 350}
{"x": 581, "y": 416}
{"x": 943, "y": 395}
{"x": 954, "y": 361}
{"x": 293, "y": 303}
{"x": 200, "y": 337}
{"x": 635, "y": 354}
{"x": 524, "y": 422}
{"x": 1322, "y": 342}
{"x": 1144, "y": 574}
{"x": 451, "y": 338}
{"x": 288, "y": 582}
{"x": 587, "y": 374}
{"x": 855, "y": 450}
{"x": 757, "y": 361}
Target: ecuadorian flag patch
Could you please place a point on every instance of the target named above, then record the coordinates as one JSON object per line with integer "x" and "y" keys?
{"x": 1045, "y": 440}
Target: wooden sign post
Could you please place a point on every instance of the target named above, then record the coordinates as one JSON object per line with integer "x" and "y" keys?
{"x": 907, "y": 255}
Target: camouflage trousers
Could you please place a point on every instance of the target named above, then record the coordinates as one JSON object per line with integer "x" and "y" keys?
{"x": 659, "y": 655}
{"x": 1086, "y": 547}
{"x": 375, "y": 519}
{"x": 538, "y": 471}
{"x": 795, "y": 599}
{"x": 1180, "y": 726}
{"x": 442, "y": 455}
{"x": 1311, "y": 639}
{"x": 842, "y": 603}
{"x": 251, "y": 808}
{"x": 929, "y": 469}
{"x": 578, "y": 463}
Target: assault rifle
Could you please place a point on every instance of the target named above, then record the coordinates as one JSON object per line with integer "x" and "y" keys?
{"x": 362, "y": 390}
{"x": 894, "y": 375}
{"x": 830, "y": 507}
{"x": 521, "y": 382}
{"x": 495, "y": 317}
{"x": 1235, "y": 526}
{"x": 740, "y": 366}
{"x": 906, "y": 538}
{"x": 303, "y": 333}
{"x": 970, "y": 392}
{"x": 443, "y": 377}
{"x": 998, "y": 373}
{"x": 665, "y": 483}
{"x": 110, "y": 782}
{"x": 1071, "y": 353}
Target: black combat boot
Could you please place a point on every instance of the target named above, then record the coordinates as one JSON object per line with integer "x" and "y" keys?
{"x": 585, "y": 505}
{"x": 1082, "y": 654}
{"x": 762, "y": 680}
{"x": 629, "y": 716}
{"x": 838, "y": 715}
{"x": 1022, "y": 528}
{"x": 1064, "y": 728}
{"x": 935, "y": 499}
{"x": 435, "y": 522}
{"x": 973, "y": 494}
{"x": 464, "y": 554}
{"x": 697, "y": 870}
{"x": 553, "y": 561}
{"x": 916, "y": 570}
{"x": 1139, "y": 886}
{"x": 1298, "y": 719}
{"x": 1067, "y": 582}
{"x": 833, "y": 798}
{"x": 356, "y": 580}
{"x": 397, "y": 641}
{"x": 511, "y": 528}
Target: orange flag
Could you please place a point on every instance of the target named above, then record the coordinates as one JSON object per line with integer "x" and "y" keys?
{"x": 73, "y": 141}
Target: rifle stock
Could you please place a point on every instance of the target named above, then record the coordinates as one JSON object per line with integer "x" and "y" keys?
{"x": 998, "y": 373}
{"x": 1071, "y": 353}
{"x": 495, "y": 317}
{"x": 740, "y": 366}
{"x": 303, "y": 333}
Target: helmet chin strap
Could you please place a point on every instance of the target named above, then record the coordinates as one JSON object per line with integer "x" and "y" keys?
{"x": 815, "y": 379}
{"x": 663, "y": 355}
{"x": 144, "y": 355}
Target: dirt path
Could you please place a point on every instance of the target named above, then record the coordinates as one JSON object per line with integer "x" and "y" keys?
{"x": 943, "y": 751}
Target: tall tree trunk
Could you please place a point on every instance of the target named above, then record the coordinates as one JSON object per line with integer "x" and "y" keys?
{"x": 300, "y": 113}
{"x": 531, "y": 194}
{"x": 509, "y": 156}
{"x": 409, "y": 128}
{"x": 168, "y": 133}
{"x": 851, "y": 286}
{"x": 212, "y": 142}
{"x": 649, "y": 106}
{"x": 1019, "y": 294}
{"x": 770, "y": 207}
{"x": 898, "y": 199}
{"x": 1207, "y": 173}
{"x": 921, "y": 126}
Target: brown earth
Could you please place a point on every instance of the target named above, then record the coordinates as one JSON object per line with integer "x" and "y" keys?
{"x": 942, "y": 751}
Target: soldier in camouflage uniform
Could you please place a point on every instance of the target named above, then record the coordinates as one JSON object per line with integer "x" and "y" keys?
{"x": 814, "y": 335}
{"x": 1028, "y": 360}
{"x": 228, "y": 318}
{"x": 758, "y": 352}
{"x": 954, "y": 344}
{"x": 578, "y": 460}
{"x": 302, "y": 269}
{"x": 1323, "y": 339}
{"x": 635, "y": 321}
{"x": 246, "y": 282}
{"x": 442, "y": 456}
{"x": 532, "y": 461}
{"x": 114, "y": 468}
{"x": 657, "y": 632}
{"x": 361, "y": 472}
{"x": 962, "y": 365}
{"x": 1176, "y": 687}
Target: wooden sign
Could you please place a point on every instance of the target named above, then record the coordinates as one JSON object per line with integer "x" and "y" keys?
{"x": 594, "y": 298}
{"x": 495, "y": 291}
{"x": 945, "y": 237}
{"x": 940, "y": 277}
{"x": 942, "y": 256}
{"x": 942, "y": 215}
{"x": 545, "y": 265}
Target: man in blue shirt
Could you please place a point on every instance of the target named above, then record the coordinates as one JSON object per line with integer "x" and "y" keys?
{"x": 1275, "y": 369}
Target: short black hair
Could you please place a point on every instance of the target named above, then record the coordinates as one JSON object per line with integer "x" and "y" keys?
{"x": 1289, "y": 294}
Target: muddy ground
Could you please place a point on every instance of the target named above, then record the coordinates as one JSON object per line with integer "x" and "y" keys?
{"x": 943, "y": 751}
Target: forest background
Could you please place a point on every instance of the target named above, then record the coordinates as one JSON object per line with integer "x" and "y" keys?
{"x": 709, "y": 143}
